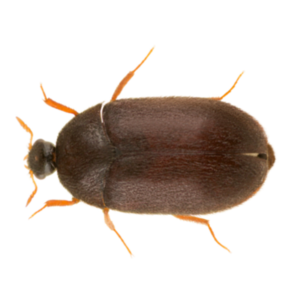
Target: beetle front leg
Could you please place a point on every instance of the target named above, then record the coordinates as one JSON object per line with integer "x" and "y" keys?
{"x": 111, "y": 226}
{"x": 201, "y": 221}
{"x": 57, "y": 105}
{"x": 57, "y": 203}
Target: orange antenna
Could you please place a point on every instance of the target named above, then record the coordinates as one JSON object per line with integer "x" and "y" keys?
{"x": 29, "y": 147}
{"x": 28, "y": 130}
{"x": 35, "y": 188}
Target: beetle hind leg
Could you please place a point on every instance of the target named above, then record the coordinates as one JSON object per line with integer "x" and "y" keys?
{"x": 220, "y": 98}
{"x": 111, "y": 226}
{"x": 201, "y": 221}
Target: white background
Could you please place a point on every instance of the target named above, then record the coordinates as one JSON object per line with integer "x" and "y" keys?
{"x": 80, "y": 50}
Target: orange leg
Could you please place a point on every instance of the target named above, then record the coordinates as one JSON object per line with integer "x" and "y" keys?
{"x": 111, "y": 226}
{"x": 58, "y": 106}
{"x": 127, "y": 78}
{"x": 220, "y": 98}
{"x": 201, "y": 221}
{"x": 57, "y": 203}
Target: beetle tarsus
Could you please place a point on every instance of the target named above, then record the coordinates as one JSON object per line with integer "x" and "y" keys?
{"x": 204, "y": 222}
{"x": 111, "y": 226}
{"x": 57, "y": 105}
{"x": 125, "y": 80}
{"x": 220, "y": 98}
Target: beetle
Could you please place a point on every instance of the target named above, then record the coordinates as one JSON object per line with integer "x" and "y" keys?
{"x": 178, "y": 156}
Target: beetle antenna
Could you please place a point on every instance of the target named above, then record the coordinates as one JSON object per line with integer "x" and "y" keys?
{"x": 28, "y": 130}
{"x": 35, "y": 188}
{"x": 29, "y": 147}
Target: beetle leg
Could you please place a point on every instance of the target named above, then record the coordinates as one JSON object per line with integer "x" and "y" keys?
{"x": 57, "y": 105}
{"x": 220, "y": 98}
{"x": 127, "y": 78}
{"x": 201, "y": 221}
{"x": 111, "y": 226}
{"x": 57, "y": 203}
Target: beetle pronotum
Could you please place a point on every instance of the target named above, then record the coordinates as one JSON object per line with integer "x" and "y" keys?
{"x": 181, "y": 156}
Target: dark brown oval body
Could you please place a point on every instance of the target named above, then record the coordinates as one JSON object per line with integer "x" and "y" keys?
{"x": 173, "y": 155}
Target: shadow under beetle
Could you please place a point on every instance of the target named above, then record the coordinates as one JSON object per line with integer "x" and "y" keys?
{"x": 181, "y": 156}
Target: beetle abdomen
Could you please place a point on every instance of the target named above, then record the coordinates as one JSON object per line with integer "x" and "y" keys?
{"x": 180, "y": 155}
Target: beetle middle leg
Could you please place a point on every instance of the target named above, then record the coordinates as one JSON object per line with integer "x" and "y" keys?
{"x": 220, "y": 98}
{"x": 125, "y": 80}
{"x": 57, "y": 105}
{"x": 201, "y": 221}
{"x": 111, "y": 226}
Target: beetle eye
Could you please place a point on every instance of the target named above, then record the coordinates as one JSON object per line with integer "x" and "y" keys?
{"x": 41, "y": 159}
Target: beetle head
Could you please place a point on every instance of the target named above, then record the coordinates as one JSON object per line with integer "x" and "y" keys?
{"x": 40, "y": 159}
